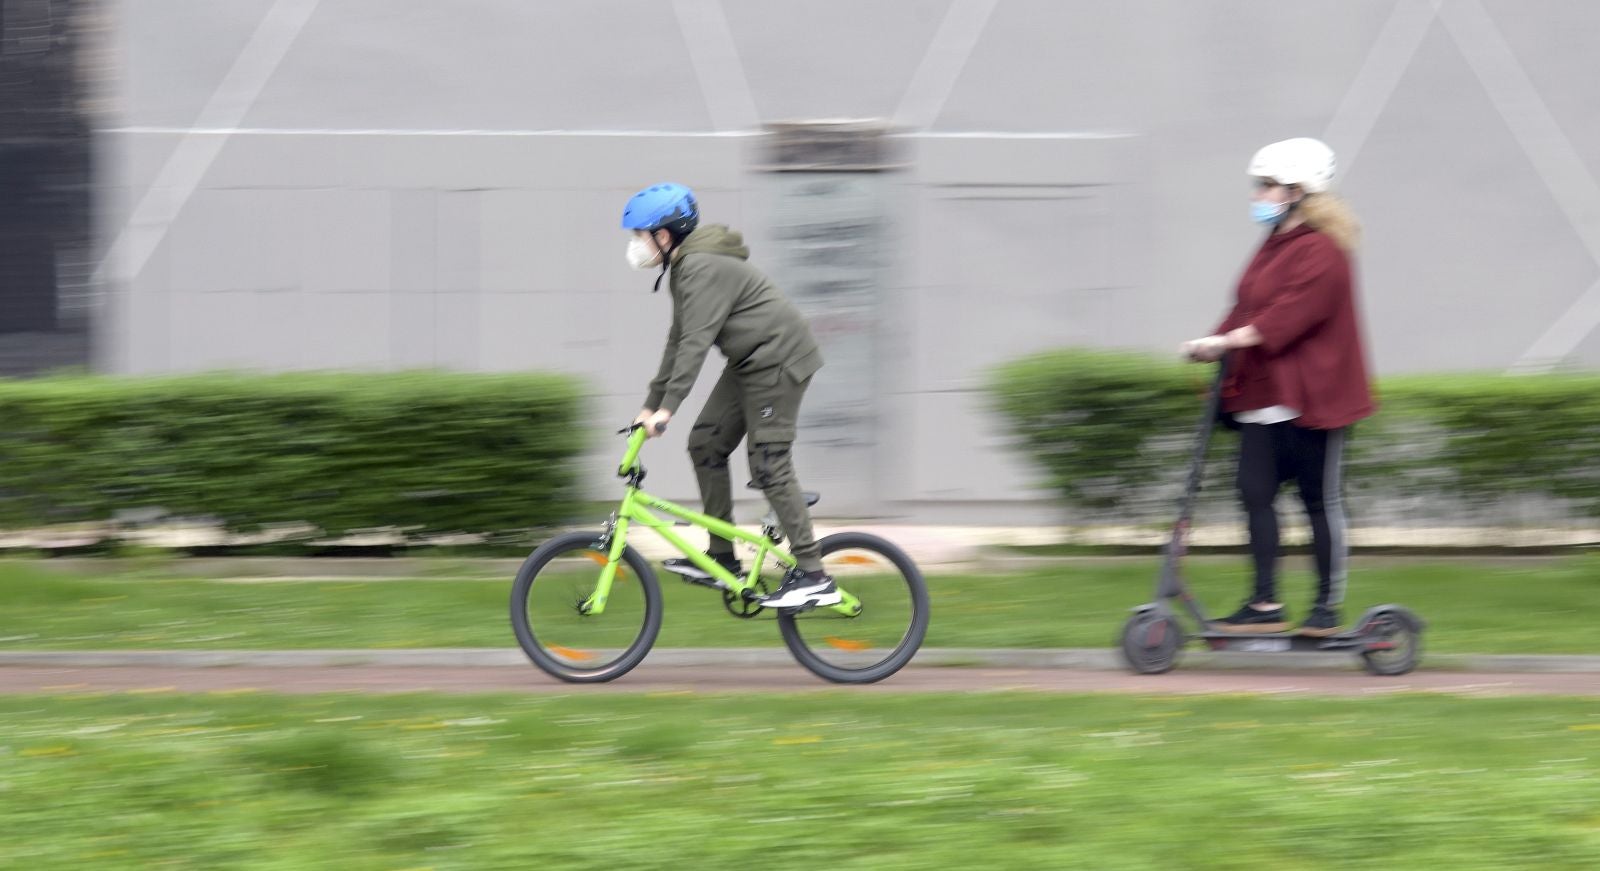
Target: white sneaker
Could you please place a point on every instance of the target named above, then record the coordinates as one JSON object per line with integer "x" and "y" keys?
{"x": 799, "y": 591}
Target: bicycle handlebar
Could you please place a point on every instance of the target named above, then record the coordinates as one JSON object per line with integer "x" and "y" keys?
{"x": 636, "y": 438}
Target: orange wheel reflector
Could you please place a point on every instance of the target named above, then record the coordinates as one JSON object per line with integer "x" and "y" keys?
{"x": 569, "y": 653}
{"x": 856, "y": 560}
{"x": 601, "y": 559}
{"x": 846, "y": 643}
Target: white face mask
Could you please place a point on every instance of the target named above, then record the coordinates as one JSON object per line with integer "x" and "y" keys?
{"x": 642, "y": 254}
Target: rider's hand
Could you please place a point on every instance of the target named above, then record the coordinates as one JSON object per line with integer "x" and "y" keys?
{"x": 644, "y": 415}
{"x": 1206, "y": 350}
{"x": 656, "y": 423}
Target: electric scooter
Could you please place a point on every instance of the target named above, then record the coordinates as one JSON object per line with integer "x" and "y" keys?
{"x": 1387, "y": 638}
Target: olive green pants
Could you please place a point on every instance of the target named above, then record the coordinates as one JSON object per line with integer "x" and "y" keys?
{"x": 763, "y": 406}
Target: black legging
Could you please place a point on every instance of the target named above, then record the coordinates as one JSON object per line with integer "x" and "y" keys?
{"x": 1270, "y": 454}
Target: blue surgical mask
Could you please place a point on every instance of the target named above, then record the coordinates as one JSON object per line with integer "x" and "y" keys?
{"x": 1270, "y": 214}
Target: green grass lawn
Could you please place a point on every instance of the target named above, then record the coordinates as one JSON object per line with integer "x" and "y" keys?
{"x": 1541, "y": 606}
{"x": 831, "y": 780}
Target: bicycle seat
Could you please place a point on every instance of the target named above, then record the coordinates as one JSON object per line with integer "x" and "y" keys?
{"x": 810, "y": 497}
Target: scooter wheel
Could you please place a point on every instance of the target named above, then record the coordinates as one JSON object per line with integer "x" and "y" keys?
{"x": 1150, "y": 642}
{"x": 1391, "y": 642}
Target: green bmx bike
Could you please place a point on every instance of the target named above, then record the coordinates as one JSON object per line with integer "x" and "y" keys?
{"x": 586, "y": 607}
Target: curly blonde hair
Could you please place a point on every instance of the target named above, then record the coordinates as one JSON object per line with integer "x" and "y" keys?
{"x": 1329, "y": 213}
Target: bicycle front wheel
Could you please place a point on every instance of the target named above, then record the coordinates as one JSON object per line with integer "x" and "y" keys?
{"x": 886, "y": 630}
{"x": 564, "y": 637}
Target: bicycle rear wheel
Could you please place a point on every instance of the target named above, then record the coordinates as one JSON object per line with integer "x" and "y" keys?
{"x": 883, "y": 635}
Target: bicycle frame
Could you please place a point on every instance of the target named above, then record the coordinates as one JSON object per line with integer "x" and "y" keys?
{"x": 636, "y": 509}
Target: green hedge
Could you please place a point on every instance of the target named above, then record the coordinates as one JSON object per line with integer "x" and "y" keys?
{"x": 1499, "y": 435}
{"x": 1112, "y": 429}
{"x": 430, "y": 452}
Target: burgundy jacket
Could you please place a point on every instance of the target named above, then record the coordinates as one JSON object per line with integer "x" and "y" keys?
{"x": 1298, "y": 294}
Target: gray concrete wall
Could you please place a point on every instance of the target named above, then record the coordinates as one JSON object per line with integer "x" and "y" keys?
{"x": 396, "y": 183}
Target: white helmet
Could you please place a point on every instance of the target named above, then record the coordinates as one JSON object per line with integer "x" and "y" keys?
{"x": 1304, "y": 162}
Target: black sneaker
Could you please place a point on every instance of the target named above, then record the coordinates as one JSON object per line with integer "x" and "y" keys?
{"x": 680, "y": 565}
{"x": 1252, "y": 620}
{"x": 1322, "y": 622}
{"x": 804, "y": 589}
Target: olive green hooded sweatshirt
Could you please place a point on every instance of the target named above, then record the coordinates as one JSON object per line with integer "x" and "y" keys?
{"x": 719, "y": 299}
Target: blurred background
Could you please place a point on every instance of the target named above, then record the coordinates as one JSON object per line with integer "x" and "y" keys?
{"x": 943, "y": 185}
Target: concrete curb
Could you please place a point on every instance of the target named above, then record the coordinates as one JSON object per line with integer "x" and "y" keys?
{"x": 1094, "y": 659}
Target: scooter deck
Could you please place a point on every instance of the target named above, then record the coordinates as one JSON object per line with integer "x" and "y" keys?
{"x": 1279, "y": 642}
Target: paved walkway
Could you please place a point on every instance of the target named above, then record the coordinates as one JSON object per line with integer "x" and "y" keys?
{"x": 776, "y": 656}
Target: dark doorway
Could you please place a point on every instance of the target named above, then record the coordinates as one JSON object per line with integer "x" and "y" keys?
{"x": 45, "y": 186}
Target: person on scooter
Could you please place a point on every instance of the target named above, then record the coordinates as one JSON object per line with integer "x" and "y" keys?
{"x": 1297, "y": 377}
{"x": 719, "y": 299}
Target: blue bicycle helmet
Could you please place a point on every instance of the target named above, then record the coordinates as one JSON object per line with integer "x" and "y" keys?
{"x": 667, "y": 206}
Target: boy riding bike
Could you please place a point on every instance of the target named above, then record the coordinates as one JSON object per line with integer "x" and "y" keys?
{"x": 719, "y": 299}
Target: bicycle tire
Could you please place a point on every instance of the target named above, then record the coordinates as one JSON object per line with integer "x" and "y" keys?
{"x": 553, "y": 662}
{"x": 789, "y": 623}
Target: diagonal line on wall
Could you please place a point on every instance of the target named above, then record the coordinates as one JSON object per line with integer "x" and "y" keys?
{"x": 183, "y": 170}
{"x": 941, "y": 66}
{"x": 1380, "y": 74}
{"x": 1553, "y": 156}
{"x": 716, "y": 64}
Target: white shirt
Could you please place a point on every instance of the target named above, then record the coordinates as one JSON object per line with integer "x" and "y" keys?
{"x": 1270, "y": 414}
